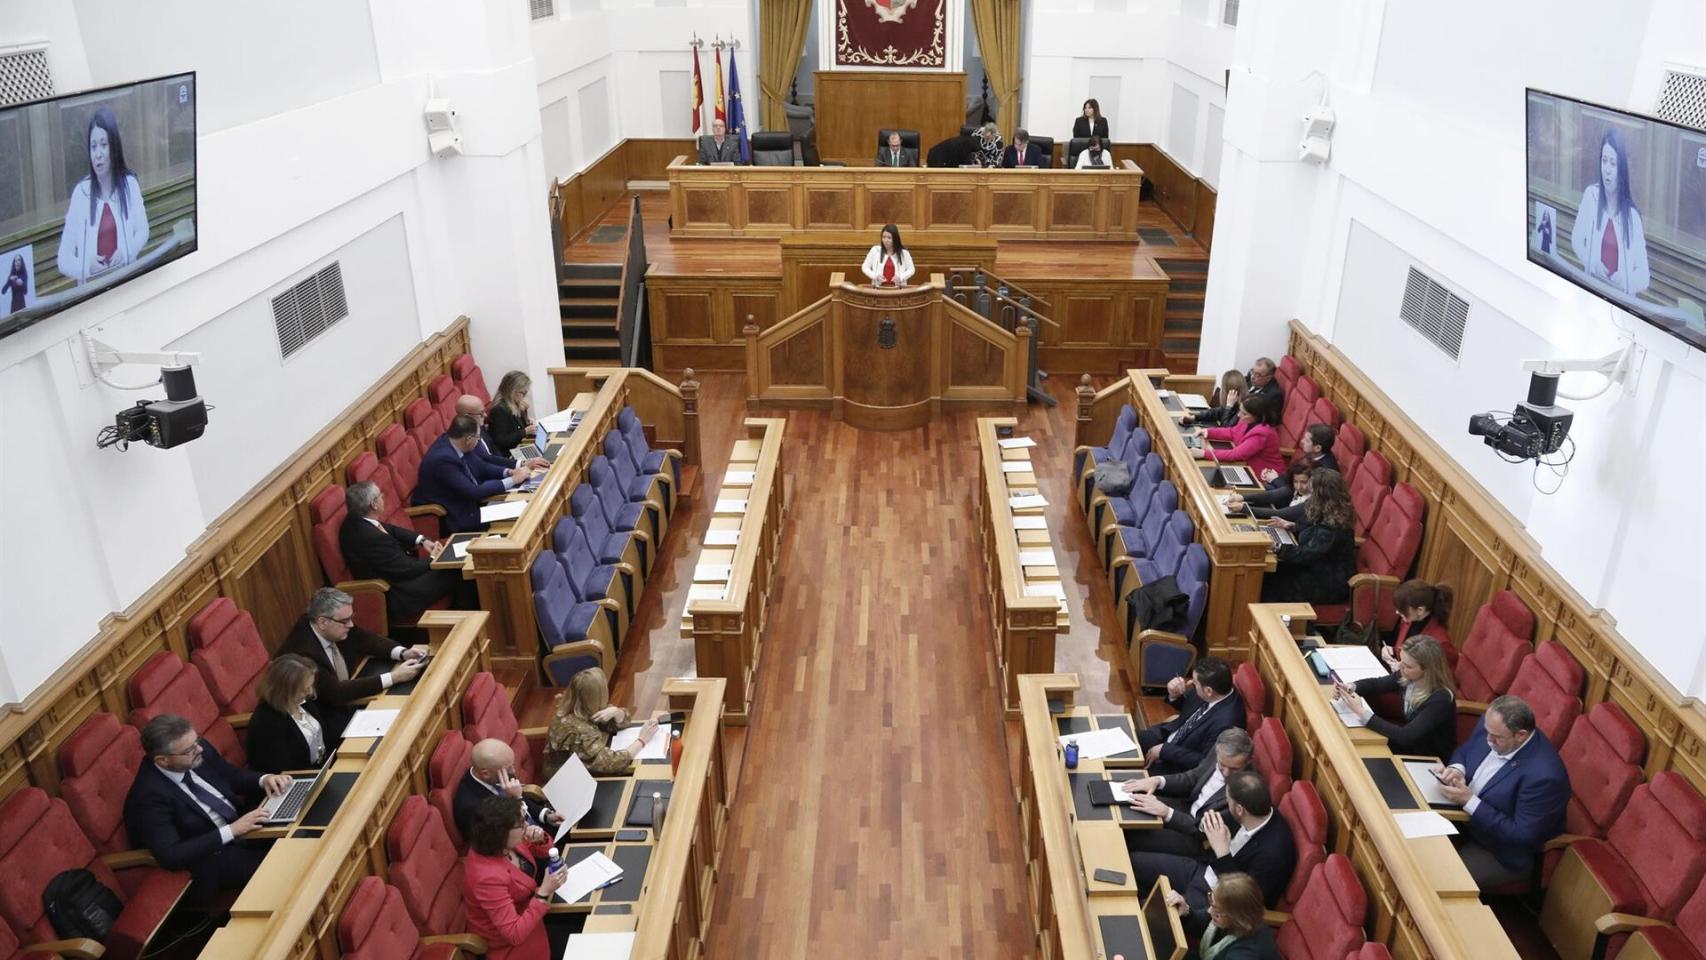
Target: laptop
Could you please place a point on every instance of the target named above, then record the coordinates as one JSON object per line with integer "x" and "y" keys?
{"x": 1278, "y": 536}
{"x": 287, "y": 806}
{"x": 1238, "y": 476}
{"x": 541, "y": 447}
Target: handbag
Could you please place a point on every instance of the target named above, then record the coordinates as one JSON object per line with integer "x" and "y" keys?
{"x": 1113, "y": 478}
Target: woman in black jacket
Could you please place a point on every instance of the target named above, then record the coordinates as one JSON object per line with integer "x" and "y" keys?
{"x": 1430, "y": 708}
{"x": 509, "y": 422}
{"x": 286, "y": 731}
{"x": 1091, "y": 123}
{"x": 1319, "y": 566}
{"x": 1234, "y": 387}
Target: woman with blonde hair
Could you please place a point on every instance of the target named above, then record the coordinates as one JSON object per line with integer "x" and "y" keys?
{"x": 1430, "y": 707}
{"x": 510, "y": 422}
{"x": 583, "y": 724}
{"x": 1235, "y": 927}
{"x": 286, "y": 731}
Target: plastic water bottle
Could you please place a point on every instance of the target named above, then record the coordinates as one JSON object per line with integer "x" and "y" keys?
{"x": 1072, "y": 754}
{"x": 556, "y": 862}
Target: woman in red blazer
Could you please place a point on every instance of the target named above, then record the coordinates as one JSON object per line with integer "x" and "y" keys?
{"x": 1254, "y": 438}
{"x": 505, "y": 898}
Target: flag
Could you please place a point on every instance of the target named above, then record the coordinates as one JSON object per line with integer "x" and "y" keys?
{"x": 737, "y": 112}
{"x": 698, "y": 92}
{"x": 718, "y": 103}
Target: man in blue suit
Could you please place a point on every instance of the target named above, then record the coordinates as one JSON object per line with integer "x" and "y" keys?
{"x": 189, "y": 808}
{"x": 455, "y": 479}
{"x": 1023, "y": 153}
{"x": 1510, "y": 781}
{"x": 1207, "y": 705}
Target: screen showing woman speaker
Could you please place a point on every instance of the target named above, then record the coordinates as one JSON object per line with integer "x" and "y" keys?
{"x": 1617, "y": 204}
{"x": 96, "y": 188}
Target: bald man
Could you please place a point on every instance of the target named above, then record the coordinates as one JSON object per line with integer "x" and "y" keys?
{"x": 492, "y": 774}
{"x": 471, "y": 406}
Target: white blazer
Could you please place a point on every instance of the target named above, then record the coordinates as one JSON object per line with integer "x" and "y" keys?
{"x": 873, "y": 267}
{"x": 1632, "y": 275}
{"x": 77, "y": 241}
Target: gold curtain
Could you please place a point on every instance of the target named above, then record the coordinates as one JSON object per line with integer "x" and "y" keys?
{"x": 997, "y": 25}
{"x": 782, "y": 38}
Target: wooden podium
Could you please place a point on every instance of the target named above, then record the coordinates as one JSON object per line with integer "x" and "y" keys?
{"x": 886, "y": 359}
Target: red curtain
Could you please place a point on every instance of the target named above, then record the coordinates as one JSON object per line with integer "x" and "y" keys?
{"x": 910, "y": 34}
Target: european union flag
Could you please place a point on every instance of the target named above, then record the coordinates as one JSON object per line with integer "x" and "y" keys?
{"x": 737, "y": 113}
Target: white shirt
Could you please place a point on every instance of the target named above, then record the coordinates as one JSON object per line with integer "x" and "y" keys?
{"x": 1106, "y": 159}
{"x": 1490, "y": 766}
{"x": 333, "y": 655}
{"x": 311, "y": 734}
{"x": 419, "y": 537}
{"x": 873, "y": 265}
{"x": 1239, "y": 839}
{"x": 225, "y": 834}
{"x": 1215, "y": 782}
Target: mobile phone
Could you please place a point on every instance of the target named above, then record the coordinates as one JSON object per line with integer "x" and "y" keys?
{"x": 1436, "y": 774}
{"x": 631, "y": 836}
{"x": 1108, "y": 876}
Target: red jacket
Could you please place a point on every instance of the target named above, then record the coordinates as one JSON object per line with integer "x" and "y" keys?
{"x": 1256, "y": 445}
{"x": 501, "y": 905}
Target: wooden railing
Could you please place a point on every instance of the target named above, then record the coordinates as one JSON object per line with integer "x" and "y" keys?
{"x": 728, "y": 632}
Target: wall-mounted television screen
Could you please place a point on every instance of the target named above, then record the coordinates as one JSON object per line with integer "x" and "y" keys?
{"x": 1617, "y": 204}
{"x": 96, "y": 188}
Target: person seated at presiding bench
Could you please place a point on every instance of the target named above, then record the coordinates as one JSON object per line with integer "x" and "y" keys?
{"x": 188, "y": 806}
{"x": 1286, "y": 501}
{"x": 1207, "y": 704}
{"x": 453, "y": 478}
{"x": 582, "y": 725}
{"x": 1022, "y": 152}
{"x": 1189, "y": 797}
{"x": 491, "y": 773}
{"x": 1429, "y": 726}
{"x": 1319, "y": 566}
{"x": 487, "y": 450}
{"x": 895, "y": 155}
{"x": 719, "y": 147}
{"x": 286, "y": 731}
{"x": 1260, "y": 380}
{"x": 507, "y": 888}
{"x": 1251, "y": 837}
{"x": 888, "y": 264}
{"x": 382, "y": 551}
{"x": 1093, "y": 156}
{"x": 1512, "y": 783}
{"x": 1254, "y": 438}
{"x": 989, "y": 146}
{"x": 1237, "y": 928}
{"x": 327, "y": 637}
{"x": 1314, "y": 447}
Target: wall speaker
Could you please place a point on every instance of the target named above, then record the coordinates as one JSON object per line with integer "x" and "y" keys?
{"x": 442, "y": 136}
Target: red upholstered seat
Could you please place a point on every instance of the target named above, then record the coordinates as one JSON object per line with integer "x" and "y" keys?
{"x": 400, "y": 452}
{"x": 469, "y": 379}
{"x": 1373, "y": 950}
{"x": 1288, "y": 370}
{"x": 1551, "y": 681}
{"x": 326, "y": 514}
{"x": 1323, "y": 411}
{"x": 1348, "y": 463}
{"x": 1603, "y": 757}
{"x": 1307, "y": 817}
{"x": 226, "y": 647}
{"x": 39, "y": 839}
{"x": 1327, "y": 922}
{"x": 1273, "y": 757}
{"x": 486, "y": 713}
{"x": 1394, "y": 538}
{"x": 1350, "y": 440}
{"x": 97, "y": 764}
{"x": 1253, "y": 692}
{"x": 376, "y": 926}
{"x": 365, "y": 468}
{"x": 166, "y": 684}
{"x": 1686, "y": 940}
{"x": 420, "y": 410}
{"x": 442, "y": 393}
{"x": 1300, "y": 399}
{"x": 1369, "y": 485}
{"x": 1498, "y": 641}
{"x": 425, "y": 867}
{"x": 451, "y": 758}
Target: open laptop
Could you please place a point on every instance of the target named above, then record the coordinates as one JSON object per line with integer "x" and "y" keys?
{"x": 541, "y": 447}
{"x": 1278, "y": 536}
{"x": 287, "y": 806}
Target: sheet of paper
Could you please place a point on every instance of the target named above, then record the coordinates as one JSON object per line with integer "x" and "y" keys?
{"x": 570, "y": 791}
{"x": 721, "y": 538}
{"x": 1347, "y": 716}
{"x": 1194, "y": 401}
{"x": 1163, "y": 394}
{"x": 1026, "y": 523}
{"x": 730, "y": 506}
{"x": 600, "y": 946}
{"x": 1050, "y": 588}
{"x": 738, "y": 478}
{"x": 1426, "y": 783}
{"x": 1016, "y": 466}
{"x": 370, "y": 723}
{"x": 595, "y": 871}
{"x": 502, "y": 510}
{"x": 657, "y": 748}
{"x": 706, "y": 591}
{"x": 1424, "y": 823}
{"x": 1120, "y": 795}
{"x": 559, "y": 421}
{"x": 1036, "y": 558}
{"x": 459, "y": 549}
{"x": 1029, "y": 501}
{"x": 1096, "y": 744}
{"x": 1015, "y": 443}
{"x": 1353, "y": 663}
{"x": 712, "y": 573}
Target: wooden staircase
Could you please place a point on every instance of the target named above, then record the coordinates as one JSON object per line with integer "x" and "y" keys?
{"x": 587, "y": 298}
{"x": 1181, "y": 333}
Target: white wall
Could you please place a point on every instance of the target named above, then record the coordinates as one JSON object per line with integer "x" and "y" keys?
{"x": 1427, "y": 170}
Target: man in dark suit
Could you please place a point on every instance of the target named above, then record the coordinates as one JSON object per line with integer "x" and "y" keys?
{"x": 491, "y": 773}
{"x": 1314, "y": 448}
{"x": 378, "y": 550}
{"x": 719, "y": 147}
{"x": 189, "y": 807}
{"x": 1251, "y": 837}
{"x": 1182, "y": 800}
{"x": 1511, "y": 782}
{"x": 453, "y": 478}
{"x": 1286, "y": 499}
{"x": 1207, "y": 704}
{"x": 328, "y": 637}
{"x": 1261, "y": 380}
{"x": 1022, "y": 152}
{"x": 468, "y": 405}
{"x": 895, "y": 155}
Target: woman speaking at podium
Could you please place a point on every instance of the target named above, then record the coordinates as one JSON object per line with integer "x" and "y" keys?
{"x": 888, "y": 264}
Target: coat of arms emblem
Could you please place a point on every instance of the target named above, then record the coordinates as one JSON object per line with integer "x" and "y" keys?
{"x": 890, "y": 11}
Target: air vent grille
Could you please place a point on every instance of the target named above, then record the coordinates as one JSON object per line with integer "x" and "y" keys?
{"x": 309, "y": 309}
{"x": 24, "y": 76}
{"x": 1435, "y": 312}
{"x": 542, "y": 9}
{"x": 1684, "y": 99}
{"x": 1229, "y": 13}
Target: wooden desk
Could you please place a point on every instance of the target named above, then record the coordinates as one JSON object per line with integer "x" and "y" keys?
{"x": 1422, "y": 898}
{"x": 1026, "y": 204}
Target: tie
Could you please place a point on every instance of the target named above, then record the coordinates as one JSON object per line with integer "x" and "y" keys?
{"x": 1190, "y": 722}
{"x": 466, "y": 469}
{"x": 335, "y": 655}
{"x": 894, "y": 158}
{"x": 213, "y": 801}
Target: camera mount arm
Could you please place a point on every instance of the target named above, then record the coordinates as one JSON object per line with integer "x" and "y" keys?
{"x": 1614, "y": 367}
{"x": 104, "y": 356}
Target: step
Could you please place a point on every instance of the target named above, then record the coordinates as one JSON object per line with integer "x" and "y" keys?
{"x": 593, "y": 343}
{"x": 592, "y": 361}
{"x": 590, "y": 338}
{"x": 1182, "y": 268}
{"x": 607, "y": 325}
{"x": 572, "y": 311}
{"x": 592, "y": 271}
{"x": 611, "y": 302}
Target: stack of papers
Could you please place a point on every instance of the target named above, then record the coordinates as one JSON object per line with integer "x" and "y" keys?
{"x": 721, "y": 538}
{"x": 1036, "y": 558}
{"x": 712, "y": 573}
{"x": 1027, "y": 501}
{"x": 738, "y": 478}
{"x": 706, "y": 591}
{"x": 1050, "y": 588}
{"x": 1424, "y": 823}
{"x": 1353, "y": 663}
{"x": 561, "y": 421}
{"x": 370, "y": 723}
{"x": 502, "y": 510}
{"x": 1096, "y": 744}
{"x": 1020, "y": 523}
{"x": 730, "y": 507}
{"x": 1015, "y": 466}
{"x": 1421, "y": 774}
{"x": 600, "y": 946}
{"x": 1015, "y": 443}
{"x": 1194, "y": 401}
{"x": 657, "y": 748}
{"x": 590, "y": 874}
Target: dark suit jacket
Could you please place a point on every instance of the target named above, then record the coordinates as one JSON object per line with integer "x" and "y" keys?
{"x": 709, "y": 152}
{"x": 1257, "y": 946}
{"x": 456, "y": 483}
{"x": 908, "y": 158}
{"x": 163, "y": 819}
{"x": 1198, "y": 741}
{"x": 1522, "y": 807}
{"x": 391, "y": 555}
{"x": 275, "y": 743}
{"x": 1276, "y": 502}
{"x": 469, "y": 793}
{"x": 1179, "y": 790}
{"x": 1316, "y": 569}
{"x": 507, "y": 430}
{"x": 1269, "y": 858}
{"x": 334, "y": 696}
{"x": 1033, "y": 156}
{"x": 1081, "y": 129}
{"x": 489, "y": 452}
{"x": 1430, "y": 730}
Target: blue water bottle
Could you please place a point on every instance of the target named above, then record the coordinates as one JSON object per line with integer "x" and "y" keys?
{"x": 556, "y": 861}
{"x": 1072, "y": 754}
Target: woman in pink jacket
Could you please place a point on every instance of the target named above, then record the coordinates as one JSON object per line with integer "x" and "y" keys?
{"x": 1254, "y": 438}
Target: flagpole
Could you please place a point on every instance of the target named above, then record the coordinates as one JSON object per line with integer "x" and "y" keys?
{"x": 698, "y": 86}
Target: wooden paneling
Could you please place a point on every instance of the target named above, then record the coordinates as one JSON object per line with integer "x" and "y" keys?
{"x": 808, "y": 260}
{"x": 1187, "y": 199}
{"x": 697, "y": 319}
{"x": 1025, "y": 625}
{"x": 852, "y": 105}
{"x": 1100, "y": 322}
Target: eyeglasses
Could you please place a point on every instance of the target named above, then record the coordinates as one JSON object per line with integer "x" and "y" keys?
{"x": 193, "y": 748}
{"x": 348, "y": 621}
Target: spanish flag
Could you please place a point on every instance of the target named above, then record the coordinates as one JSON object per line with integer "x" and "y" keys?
{"x": 720, "y": 114}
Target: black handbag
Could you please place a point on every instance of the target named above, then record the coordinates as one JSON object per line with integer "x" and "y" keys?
{"x": 78, "y": 905}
